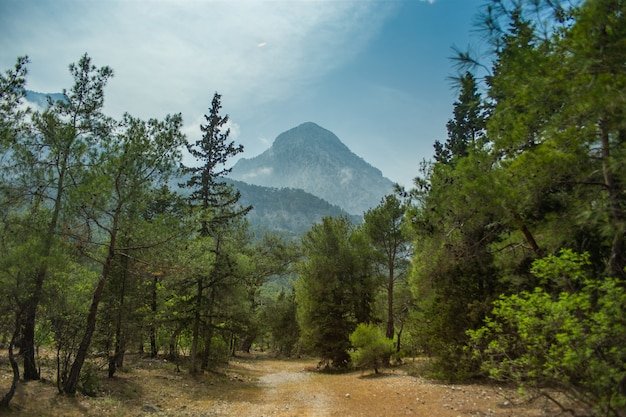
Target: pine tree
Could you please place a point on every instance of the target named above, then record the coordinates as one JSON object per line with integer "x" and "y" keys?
{"x": 215, "y": 203}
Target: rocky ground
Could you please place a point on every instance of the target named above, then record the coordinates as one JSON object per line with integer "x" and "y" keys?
{"x": 261, "y": 386}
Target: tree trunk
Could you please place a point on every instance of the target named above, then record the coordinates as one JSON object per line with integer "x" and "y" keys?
{"x": 154, "y": 350}
{"x": 6, "y": 399}
{"x": 71, "y": 384}
{"x": 390, "y": 322}
{"x": 27, "y": 342}
{"x": 527, "y": 234}
{"x": 173, "y": 345}
{"x": 246, "y": 343}
{"x": 117, "y": 360}
{"x": 617, "y": 260}
{"x": 206, "y": 353}
{"x": 398, "y": 344}
{"x": 193, "y": 368}
{"x": 209, "y": 332}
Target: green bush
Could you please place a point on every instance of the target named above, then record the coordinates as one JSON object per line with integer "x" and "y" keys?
{"x": 220, "y": 351}
{"x": 373, "y": 349}
{"x": 573, "y": 341}
{"x": 89, "y": 380}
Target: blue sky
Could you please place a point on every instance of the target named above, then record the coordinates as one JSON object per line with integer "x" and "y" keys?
{"x": 374, "y": 72}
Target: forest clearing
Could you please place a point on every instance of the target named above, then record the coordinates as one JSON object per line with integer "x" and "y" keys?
{"x": 259, "y": 385}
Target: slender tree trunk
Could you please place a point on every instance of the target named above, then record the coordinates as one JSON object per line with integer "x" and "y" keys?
{"x": 617, "y": 261}
{"x": 398, "y": 344}
{"x": 6, "y": 399}
{"x": 390, "y": 322}
{"x": 196, "y": 329}
{"x": 154, "y": 350}
{"x": 527, "y": 234}
{"x": 206, "y": 353}
{"x": 173, "y": 348}
{"x": 117, "y": 360}
{"x": 209, "y": 332}
{"x": 71, "y": 384}
{"x": 27, "y": 342}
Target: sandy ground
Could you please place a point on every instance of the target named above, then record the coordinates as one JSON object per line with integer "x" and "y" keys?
{"x": 262, "y": 387}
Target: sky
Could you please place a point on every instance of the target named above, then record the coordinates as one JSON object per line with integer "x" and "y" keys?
{"x": 374, "y": 72}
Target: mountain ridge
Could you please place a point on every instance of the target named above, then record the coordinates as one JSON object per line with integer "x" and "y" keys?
{"x": 285, "y": 209}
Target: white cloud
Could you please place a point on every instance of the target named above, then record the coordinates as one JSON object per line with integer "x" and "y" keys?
{"x": 172, "y": 56}
{"x": 261, "y": 172}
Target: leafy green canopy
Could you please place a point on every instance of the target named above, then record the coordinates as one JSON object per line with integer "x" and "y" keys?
{"x": 372, "y": 347}
{"x": 545, "y": 172}
{"x": 334, "y": 290}
{"x": 571, "y": 342}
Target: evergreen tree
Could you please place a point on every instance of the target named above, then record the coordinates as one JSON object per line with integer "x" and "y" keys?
{"x": 216, "y": 200}
{"x": 215, "y": 203}
{"x": 122, "y": 177}
{"x": 46, "y": 161}
{"x": 468, "y": 125}
{"x": 334, "y": 290}
{"x": 385, "y": 226}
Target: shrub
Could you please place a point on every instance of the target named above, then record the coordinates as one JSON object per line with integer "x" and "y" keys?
{"x": 89, "y": 380}
{"x": 573, "y": 342}
{"x": 373, "y": 349}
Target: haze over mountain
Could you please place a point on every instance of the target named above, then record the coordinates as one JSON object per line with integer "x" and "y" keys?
{"x": 313, "y": 159}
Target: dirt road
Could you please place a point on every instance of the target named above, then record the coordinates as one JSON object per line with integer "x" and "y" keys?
{"x": 264, "y": 387}
{"x": 286, "y": 388}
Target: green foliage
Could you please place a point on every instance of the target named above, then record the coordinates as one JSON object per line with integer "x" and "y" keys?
{"x": 574, "y": 342}
{"x": 385, "y": 226}
{"x": 11, "y": 94}
{"x": 546, "y": 170}
{"x": 279, "y": 314}
{"x": 289, "y": 210}
{"x": 89, "y": 380}
{"x": 220, "y": 351}
{"x": 466, "y": 130}
{"x": 372, "y": 348}
{"x": 334, "y": 290}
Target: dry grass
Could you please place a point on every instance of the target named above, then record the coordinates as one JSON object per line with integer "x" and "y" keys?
{"x": 262, "y": 386}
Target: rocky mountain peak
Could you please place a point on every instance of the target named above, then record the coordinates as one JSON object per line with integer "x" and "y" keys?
{"x": 314, "y": 159}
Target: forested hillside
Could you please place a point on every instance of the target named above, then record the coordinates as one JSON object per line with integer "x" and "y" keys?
{"x": 506, "y": 260}
{"x": 289, "y": 210}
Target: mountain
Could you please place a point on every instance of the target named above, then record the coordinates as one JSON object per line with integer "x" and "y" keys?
{"x": 286, "y": 209}
{"x": 41, "y": 99}
{"x": 313, "y": 159}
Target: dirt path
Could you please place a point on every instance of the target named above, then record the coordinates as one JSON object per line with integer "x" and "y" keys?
{"x": 265, "y": 387}
{"x": 288, "y": 389}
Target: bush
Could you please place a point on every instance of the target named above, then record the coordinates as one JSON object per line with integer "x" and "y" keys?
{"x": 573, "y": 342}
{"x": 373, "y": 349}
{"x": 220, "y": 351}
{"x": 89, "y": 380}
